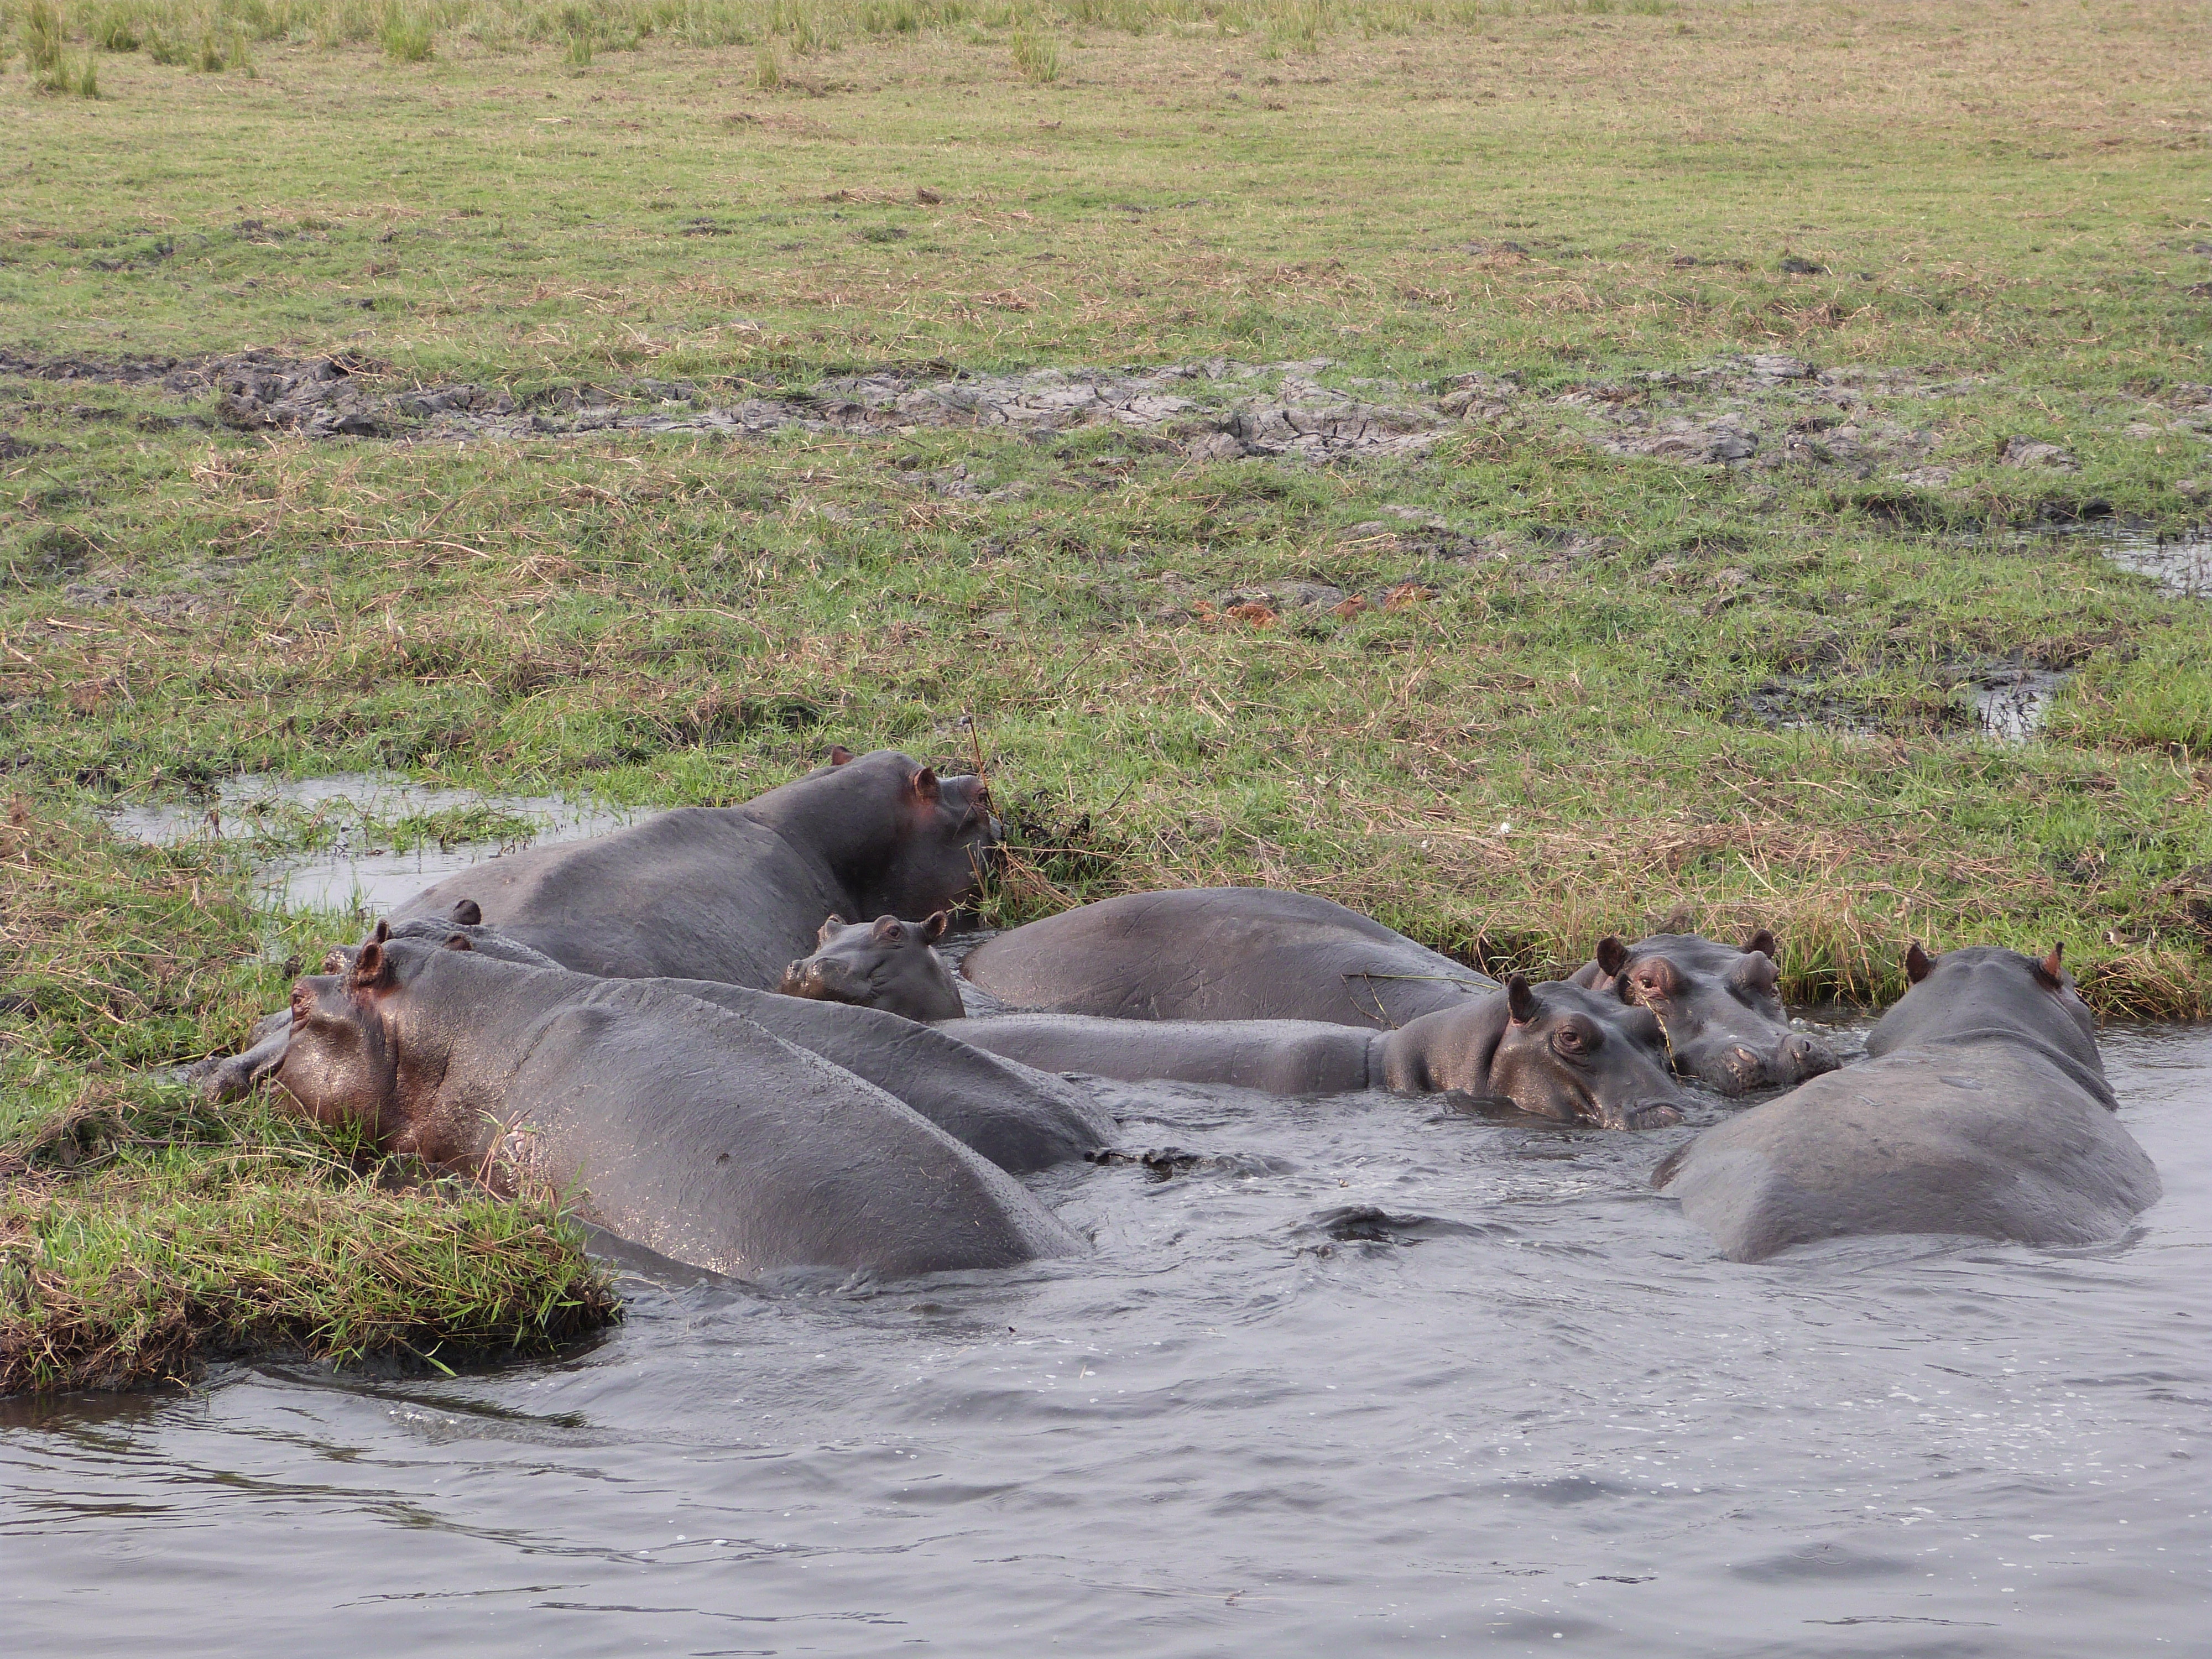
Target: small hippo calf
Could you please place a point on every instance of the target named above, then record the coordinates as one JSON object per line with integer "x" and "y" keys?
{"x": 886, "y": 963}
{"x": 1556, "y": 1051}
{"x": 1983, "y": 1110}
{"x": 674, "y": 1123}
{"x": 1725, "y": 1025}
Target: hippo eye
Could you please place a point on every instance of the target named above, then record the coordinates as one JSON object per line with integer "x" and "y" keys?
{"x": 1570, "y": 1040}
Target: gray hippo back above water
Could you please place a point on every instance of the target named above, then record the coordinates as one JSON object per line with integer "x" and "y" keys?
{"x": 733, "y": 893}
{"x": 673, "y": 1122}
{"x": 1983, "y": 1110}
{"x": 1556, "y": 1051}
{"x": 886, "y": 963}
{"x": 1215, "y": 953}
{"x": 1724, "y": 1022}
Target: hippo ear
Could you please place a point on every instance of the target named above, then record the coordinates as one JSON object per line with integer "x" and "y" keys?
{"x": 467, "y": 913}
{"x": 459, "y": 942}
{"x": 2052, "y": 966}
{"x": 1754, "y": 970}
{"x": 372, "y": 966}
{"x": 1519, "y": 1001}
{"x": 886, "y": 930}
{"x": 1918, "y": 964}
{"x": 1764, "y": 944}
{"x": 1612, "y": 955}
{"x": 383, "y": 931}
{"x": 923, "y": 785}
{"x": 934, "y": 929}
{"x": 839, "y": 756}
{"x": 827, "y": 930}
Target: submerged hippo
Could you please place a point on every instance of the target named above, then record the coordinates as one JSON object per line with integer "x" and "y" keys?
{"x": 885, "y": 963}
{"x": 1222, "y": 953}
{"x": 1725, "y": 1025}
{"x": 1021, "y": 1119}
{"x": 733, "y": 893}
{"x": 1983, "y": 1109}
{"x": 1557, "y": 1051}
{"x": 674, "y": 1123}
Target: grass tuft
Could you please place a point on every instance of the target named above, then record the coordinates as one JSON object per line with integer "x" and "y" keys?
{"x": 1037, "y": 56}
{"x": 406, "y": 37}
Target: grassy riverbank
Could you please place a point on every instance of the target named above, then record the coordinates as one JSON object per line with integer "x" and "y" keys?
{"x": 1684, "y": 412}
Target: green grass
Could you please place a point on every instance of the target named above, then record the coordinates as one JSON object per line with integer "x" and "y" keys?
{"x": 1627, "y": 691}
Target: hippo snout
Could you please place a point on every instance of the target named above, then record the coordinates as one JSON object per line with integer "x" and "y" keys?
{"x": 1804, "y": 1057}
{"x": 822, "y": 981}
{"x": 1650, "y": 1114}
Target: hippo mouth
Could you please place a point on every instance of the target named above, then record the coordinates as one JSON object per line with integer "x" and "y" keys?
{"x": 1642, "y": 1114}
{"x": 807, "y": 979}
{"x": 1732, "y": 1068}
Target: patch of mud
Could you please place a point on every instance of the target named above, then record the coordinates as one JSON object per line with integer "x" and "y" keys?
{"x": 1766, "y": 411}
{"x": 1792, "y": 702}
{"x": 360, "y": 840}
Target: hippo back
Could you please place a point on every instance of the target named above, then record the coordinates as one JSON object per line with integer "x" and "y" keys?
{"x": 1278, "y": 1056}
{"x": 1983, "y": 1137}
{"x": 706, "y": 1138}
{"x": 1221, "y": 953}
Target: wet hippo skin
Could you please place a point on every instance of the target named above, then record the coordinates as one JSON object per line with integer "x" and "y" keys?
{"x": 1558, "y": 1051}
{"x": 1215, "y": 953}
{"x": 1981, "y": 1111}
{"x": 733, "y": 893}
{"x": 886, "y": 963}
{"x": 677, "y": 1124}
{"x": 1725, "y": 1025}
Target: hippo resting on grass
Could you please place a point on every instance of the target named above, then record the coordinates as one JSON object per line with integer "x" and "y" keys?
{"x": 1221, "y": 953}
{"x": 1725, "y": 1026}
{"x": 731, "y": 893}
{"x": 670, "y": 1122}
{"x": 1983, "y": 1110}
{"x": 1555, "y": 1051}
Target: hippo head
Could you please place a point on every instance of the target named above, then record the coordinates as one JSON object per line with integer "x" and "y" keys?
{"x": 1570, "y": 1053}
{"x": 886, "y": 963}
{"x": 946, "y": 836}
{"x": 462, "y": 928}
{"x": 903, "y": 840}
{"x": 348, "y": 1062}
{"x": 1981, "y": 989}
{"x": 1723, "y": 1021}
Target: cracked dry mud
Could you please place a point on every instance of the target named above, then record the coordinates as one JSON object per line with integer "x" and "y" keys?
{"x": 1766, "y": 411}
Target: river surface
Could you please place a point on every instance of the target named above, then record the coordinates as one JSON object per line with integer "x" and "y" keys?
{"x": 1367, "y": 1377}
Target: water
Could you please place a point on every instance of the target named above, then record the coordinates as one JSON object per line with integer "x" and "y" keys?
{"x": 2180, "y": 564}
{"x": 347, "y": 862}
{"x": 1366, "y": 1376}
{"x": 2011, "y": 705}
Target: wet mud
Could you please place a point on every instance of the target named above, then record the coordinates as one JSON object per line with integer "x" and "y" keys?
{"x": 1766, "y": 412}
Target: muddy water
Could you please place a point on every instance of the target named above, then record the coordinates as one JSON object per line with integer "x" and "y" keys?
{"x": 1364, "y": 1376}
{"x": 326, "y": 843}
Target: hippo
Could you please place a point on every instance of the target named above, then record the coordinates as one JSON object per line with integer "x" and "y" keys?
{"x": 1212, "y": 953}
{"x": 732, "y": 893}
{"x": 1557, "y": 1051}
{"x": 886, "y": 963}
{"x": 1725, "y": 1026}
{"x": 1021, "y": 1119}
{"x": 1982, "y": 1110}
{"x": 671, "y": 1122}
